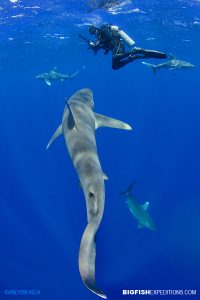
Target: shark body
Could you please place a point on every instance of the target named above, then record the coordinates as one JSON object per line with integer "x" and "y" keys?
{"x": 54, "y": 75}
{"x": 138, "y": 211}
{"x": 78, "y": 127}
{"x": 103, "y": 4}
{"x": 172, "y": 64}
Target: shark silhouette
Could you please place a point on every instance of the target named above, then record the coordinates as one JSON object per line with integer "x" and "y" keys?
{"x": 54, "y": 75}
{"x": 78, "y": 127}
{"x": 139, "y": 211}
{"x": 172, "y": 64}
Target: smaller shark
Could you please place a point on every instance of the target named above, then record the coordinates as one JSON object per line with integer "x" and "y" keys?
{"x": 139, "y": 211}
{"x": 103, "y": 4}
{"x": 54, "y": 75}
{"x": 172, "y": 64}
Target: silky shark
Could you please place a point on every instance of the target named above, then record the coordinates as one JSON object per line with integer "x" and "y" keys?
{"x": 172, "y": 64}
{"x": 54, "y": 75}
{"x": 78, "y": 128}
{"x": 139, "y": 211}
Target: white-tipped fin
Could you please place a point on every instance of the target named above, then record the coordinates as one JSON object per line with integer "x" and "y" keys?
{"x": 57, "y": 133}
{"x": 47, "y": 82}
{"x": 145, "y": 205}
{"x": 101, "y": 121}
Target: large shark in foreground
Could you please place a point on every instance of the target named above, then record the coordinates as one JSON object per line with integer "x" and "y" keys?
{"x": 172, "y": 64}
{"x": 54, "y": 75}
{"x": 139, "y": 211}
{"x": 78, "y": 127}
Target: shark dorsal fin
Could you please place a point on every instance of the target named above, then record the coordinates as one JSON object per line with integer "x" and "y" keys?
{"x": 103, "y": 121}
{"x": 145, "y": 205}
{"x": 72, "y": 118}
{"x": 172, "y": 56}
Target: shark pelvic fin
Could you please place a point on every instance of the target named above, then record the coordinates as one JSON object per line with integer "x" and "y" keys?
{"x": 57, "y": 133}
{"x": 145, "y": 205}
{"x": 103, "y": 121}
{"x": 105, "y": 177}
{"x": 47, "y": 81}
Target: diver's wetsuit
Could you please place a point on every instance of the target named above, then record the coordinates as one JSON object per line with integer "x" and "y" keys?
{"x": 109, "y": 40}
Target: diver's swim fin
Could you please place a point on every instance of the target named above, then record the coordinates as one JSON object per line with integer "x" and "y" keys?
{"x": 155, "y": 54}
{"x": 149, "y": 53}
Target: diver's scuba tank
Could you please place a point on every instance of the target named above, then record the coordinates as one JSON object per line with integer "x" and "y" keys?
{"x": 130, "y": 42}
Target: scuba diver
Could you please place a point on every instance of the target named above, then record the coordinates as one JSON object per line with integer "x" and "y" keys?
{"x": 112, "y": 38}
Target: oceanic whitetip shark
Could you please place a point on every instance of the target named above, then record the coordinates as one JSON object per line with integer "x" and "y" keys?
{"x": 139, "y": 211}
{"x": 54, "y": 75}
{"x": 78, "y": 127}
{"x": 172, "y": 64}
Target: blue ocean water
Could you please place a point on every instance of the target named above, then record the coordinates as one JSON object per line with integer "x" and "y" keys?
{"x": 42, "y": 209}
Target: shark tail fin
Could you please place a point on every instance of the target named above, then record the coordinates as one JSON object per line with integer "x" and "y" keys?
{"x": 103, "y": 121}
{"x": 56, "y": 134}
{"x": 74, "y": 74}
{"x": 128, "y": 190}
{"x": 172, "y": 56}
{"x": 71, "y": 76}
{"x": 153, "y": 67}
{"x": 87, "y": 255}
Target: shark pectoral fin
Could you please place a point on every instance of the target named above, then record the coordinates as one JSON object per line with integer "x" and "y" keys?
{"x": 47, "y": 82}
{"x": 55, "y": 135}
{"x": 101, "y": 121}
{"x": 145, "y": 205}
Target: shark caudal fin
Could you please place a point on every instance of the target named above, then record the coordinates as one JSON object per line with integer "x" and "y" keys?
{"x": 153, "y": 67}
{"x": 74, "y": 74}
{"x": 56, "y": 134}
{"x": 103, "y": 121}
{"x": 71, "y": 76}
{"x": 86, "y": 261}
{"x": 128, "y": 190}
